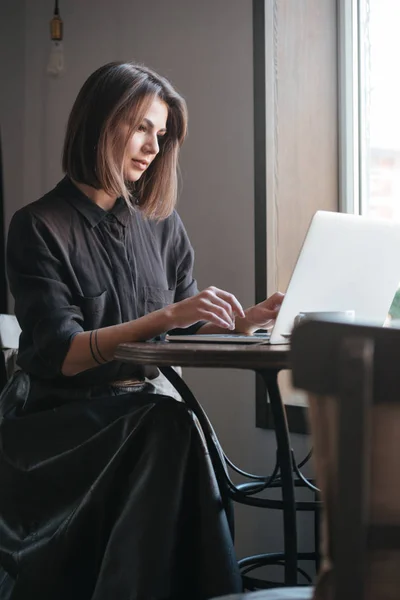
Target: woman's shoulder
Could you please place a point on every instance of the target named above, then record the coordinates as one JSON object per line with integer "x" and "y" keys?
{"x": 171, "y": 224}
{"x": 49, "y": 209}
{"x": 160, "y": 228}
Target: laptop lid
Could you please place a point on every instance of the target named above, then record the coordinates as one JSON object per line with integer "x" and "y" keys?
{"x": 347, "y": 262}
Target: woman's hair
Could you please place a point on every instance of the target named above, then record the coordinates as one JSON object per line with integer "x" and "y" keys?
{"x": 120, "y": 94}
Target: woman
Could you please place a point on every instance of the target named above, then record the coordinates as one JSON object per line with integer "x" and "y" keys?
{"x": 106, "y": 490}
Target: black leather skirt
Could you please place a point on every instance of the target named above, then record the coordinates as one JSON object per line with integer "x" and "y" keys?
{"x": 107, "y": 493}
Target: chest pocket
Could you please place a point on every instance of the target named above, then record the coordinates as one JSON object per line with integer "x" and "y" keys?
{"x": 155, "y": 298}
{"x": 93, "y": 309}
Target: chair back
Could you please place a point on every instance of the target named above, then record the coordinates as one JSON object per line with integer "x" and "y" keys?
{"x": 352, "y": 376}
{"x": 9, "y": 340}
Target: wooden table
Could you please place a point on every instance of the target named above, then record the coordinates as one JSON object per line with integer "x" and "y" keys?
{"x": 267, "y": 360}
{"x": 193, "y": 354}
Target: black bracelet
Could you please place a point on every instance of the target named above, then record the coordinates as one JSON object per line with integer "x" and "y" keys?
{"x": 97, "y": 346}
{"x": 91, "y": 349}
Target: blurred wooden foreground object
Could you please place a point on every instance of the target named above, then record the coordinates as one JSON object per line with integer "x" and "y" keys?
{"x": 351, "y": 374}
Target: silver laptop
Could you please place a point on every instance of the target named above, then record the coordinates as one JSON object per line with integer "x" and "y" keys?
{"x": 347, "y": 262}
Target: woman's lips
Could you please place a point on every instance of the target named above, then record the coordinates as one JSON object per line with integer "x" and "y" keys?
{"x": 139, "y": 164}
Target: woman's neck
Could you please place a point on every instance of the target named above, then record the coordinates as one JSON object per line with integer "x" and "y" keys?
{"x": 99, "y": 197}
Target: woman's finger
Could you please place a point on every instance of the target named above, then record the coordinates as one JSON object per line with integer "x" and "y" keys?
{"x": 213, "y": 304}
{"x": 229, "y": 299}
{"x": 217, "y": 300}
{"x": 214, "y": 318}
{"x": 274, "y": 301}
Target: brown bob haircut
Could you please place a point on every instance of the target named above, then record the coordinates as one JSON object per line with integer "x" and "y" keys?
{"x": 95, "y": 143}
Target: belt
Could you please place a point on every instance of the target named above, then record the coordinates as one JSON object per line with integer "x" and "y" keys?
{"x": 127, "y": 383}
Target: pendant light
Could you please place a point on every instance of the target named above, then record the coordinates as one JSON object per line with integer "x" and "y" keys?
{"x": 56, "y": 60}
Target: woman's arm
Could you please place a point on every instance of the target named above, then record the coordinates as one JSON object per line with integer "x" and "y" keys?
{"x": 53, "y": 323}
{"x": 91, "y": 348}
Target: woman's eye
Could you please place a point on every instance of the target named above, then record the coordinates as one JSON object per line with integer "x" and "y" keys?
{"x": 142, "y": 128}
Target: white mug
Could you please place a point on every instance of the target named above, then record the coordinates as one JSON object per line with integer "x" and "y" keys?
{"x": 346, "y": 316}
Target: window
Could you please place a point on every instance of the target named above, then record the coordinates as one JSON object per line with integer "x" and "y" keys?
{"x": 370, "y": 110}
{"x": 379, "y": 49}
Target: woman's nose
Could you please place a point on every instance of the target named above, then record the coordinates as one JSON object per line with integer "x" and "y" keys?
{"x": 152, "y": 146}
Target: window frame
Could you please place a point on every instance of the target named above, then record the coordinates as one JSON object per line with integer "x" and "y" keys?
{"x": 350, "y": 110}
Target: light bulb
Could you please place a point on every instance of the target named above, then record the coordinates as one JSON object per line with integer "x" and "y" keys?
{"x": 56, "y": 59}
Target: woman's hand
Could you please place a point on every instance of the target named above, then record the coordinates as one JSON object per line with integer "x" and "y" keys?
{"x": 212, "y": 304}
{"x": 260, "y": 316}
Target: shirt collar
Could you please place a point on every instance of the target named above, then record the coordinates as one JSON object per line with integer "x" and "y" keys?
{"x": 93, "y": 213}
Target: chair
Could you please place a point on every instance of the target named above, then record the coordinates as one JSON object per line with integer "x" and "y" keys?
{"x": 246, "y": 493}
{"x": 352, "y": 376}
{"x": 9, "y": 340}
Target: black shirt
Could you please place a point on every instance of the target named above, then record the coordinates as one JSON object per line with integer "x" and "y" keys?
{"x": 73, "y": 267}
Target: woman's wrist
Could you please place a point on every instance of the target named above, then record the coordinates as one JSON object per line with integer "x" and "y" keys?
{"x": 152, "y": 324}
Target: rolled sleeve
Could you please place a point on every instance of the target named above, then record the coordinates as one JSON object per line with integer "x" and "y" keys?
{"x": 43, "y": 301}
{"x": 186, "y": 285}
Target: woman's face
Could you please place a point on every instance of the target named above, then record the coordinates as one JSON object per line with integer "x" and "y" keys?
{"x": 143, "y": 146}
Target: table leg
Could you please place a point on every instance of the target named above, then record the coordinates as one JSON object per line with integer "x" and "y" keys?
{"x": 284, "y": 455}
